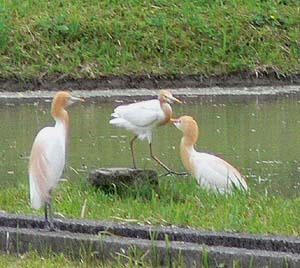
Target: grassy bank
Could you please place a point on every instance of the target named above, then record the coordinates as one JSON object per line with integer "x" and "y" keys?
{"x": 177, "y": 202}
{"x": 95, "y": 38}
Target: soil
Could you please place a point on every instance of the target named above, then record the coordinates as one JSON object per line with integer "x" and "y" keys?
{"x": 242, "y": 79}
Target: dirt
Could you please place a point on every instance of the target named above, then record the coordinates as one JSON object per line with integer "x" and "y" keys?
{"x": 242, "y": 79}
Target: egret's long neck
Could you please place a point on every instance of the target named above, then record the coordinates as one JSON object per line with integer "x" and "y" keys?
{"x": 188, "y": 141}
{"x": 167, "y": 110}
{"x": 61, "y": 117}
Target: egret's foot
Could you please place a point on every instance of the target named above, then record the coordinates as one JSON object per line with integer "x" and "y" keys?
{"x": 49, "y": 226}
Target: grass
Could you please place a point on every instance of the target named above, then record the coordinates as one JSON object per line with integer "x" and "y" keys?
{"x": 89, "y": 39}
{"x": 33, "y": 259}
{"x": 177, "y": 202}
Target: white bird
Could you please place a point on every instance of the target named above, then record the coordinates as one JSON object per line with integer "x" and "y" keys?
{"x": 47, "y": 159}
{"x": 211, "y": 172}
{"x": 142, "y": 117}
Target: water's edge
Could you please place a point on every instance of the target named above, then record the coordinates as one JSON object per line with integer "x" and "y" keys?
{"x": 184, "y": 93}
{"x": 150, "y": 81}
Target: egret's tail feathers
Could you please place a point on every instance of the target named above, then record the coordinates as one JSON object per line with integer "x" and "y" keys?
{"x": 115, "y": 115}
{"x": 117, "y": 121}
{"x": 243, "y": 185}
{"x": 35, "y": 196}
{"x": 239, "y": 182}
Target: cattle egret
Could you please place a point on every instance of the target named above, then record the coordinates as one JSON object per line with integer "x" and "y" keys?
{"x": 141, "y": 117}
{"x": 211, "y": 172}
{"x": 47, "y": 157}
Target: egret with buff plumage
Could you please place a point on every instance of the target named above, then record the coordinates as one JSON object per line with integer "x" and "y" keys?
{"x": 47, "y": 159}
{"x": 141, "y": 117}
{"x": 212, "y": 172}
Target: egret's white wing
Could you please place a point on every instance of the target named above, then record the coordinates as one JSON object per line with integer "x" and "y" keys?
{"x": 140, "y": 114}
{"x": 47, "y": 161}
{"x": 215, "y": 173}
{"x": 149, "y": 104}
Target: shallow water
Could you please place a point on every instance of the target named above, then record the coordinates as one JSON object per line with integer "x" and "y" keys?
{"x": 260, "y": 138}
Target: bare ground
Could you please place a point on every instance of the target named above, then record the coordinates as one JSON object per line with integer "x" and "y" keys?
{"x": 242, "y": 79}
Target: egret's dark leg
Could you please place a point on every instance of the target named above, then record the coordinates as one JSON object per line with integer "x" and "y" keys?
{"x": 46, "y": 215}
{"x": 132, "y": 151}
{"x": 49, "y": 223}
{"x": 163, "y": 165}
{"x": 51, "y": 220}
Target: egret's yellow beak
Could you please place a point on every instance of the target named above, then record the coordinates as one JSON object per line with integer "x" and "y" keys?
{"x": 77, "y": 99}
{"x": 176, "y": 100}
{"x": 173, "y": 120}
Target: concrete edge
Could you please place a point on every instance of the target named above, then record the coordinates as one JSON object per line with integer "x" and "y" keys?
{"x": 160, "y": 253}
{"x": 158, "y": 233}
{"x": 124, "y": 95}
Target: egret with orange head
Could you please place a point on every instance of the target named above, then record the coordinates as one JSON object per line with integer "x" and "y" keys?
{"x": 142, "y": 117}
{"x": 211, "y": 172}
{"x": 47, "y": 159}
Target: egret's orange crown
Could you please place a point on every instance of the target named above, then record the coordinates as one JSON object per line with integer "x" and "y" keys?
{"x": 166, "y": 96}
{"x": 61, "y": 100}
{"x": 188, "y": 126}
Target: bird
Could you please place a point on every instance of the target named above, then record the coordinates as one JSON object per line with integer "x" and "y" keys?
{"x": 211, "y": 172}
{"x": 47, "y": 158}
{"x": 141, "y": 117}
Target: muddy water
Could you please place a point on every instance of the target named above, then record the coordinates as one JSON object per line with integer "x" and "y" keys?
{"x": 260, "y": 138}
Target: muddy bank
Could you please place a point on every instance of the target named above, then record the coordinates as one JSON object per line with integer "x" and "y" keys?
{"x": 243, "y": 79}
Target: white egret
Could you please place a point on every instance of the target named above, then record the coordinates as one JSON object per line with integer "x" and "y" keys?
{"x": 211, "y": 172}
{"x": 142, "y": 117}
{"x": 47, "y": 159}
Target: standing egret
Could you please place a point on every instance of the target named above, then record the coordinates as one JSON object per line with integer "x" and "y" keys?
{"x": 47, "y": 158}
{"x": 211, "y": 172}
{"x": 142, "y": 117}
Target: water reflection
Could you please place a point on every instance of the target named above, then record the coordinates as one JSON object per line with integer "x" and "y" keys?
{"x": 260, "y": 138}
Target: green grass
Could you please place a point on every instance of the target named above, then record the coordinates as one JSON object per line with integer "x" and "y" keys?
{"x": 178, "y": 201}
{"x": 95, "y": 38}
{"x": 33, "y": 259}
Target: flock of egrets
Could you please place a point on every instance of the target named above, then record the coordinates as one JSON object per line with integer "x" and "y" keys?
{"x": 47, "y": 157}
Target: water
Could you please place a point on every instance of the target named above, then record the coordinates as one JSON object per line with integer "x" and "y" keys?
{"x": 260, "y": 138}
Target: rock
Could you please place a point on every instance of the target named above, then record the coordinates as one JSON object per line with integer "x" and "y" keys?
{"x": 121, "y": 179}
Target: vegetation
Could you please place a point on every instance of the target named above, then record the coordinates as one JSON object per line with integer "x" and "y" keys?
{"x": 33, "y": 259}
{"x": 177, "y": 202}
{"x": 94, "y": 38}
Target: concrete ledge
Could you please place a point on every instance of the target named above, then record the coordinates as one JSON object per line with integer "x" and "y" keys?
{"x": 163, "y": 253}
{"x": 247, "y": 241}
{"x": 186, "y": 94}
{"x": 158, "y": 245}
